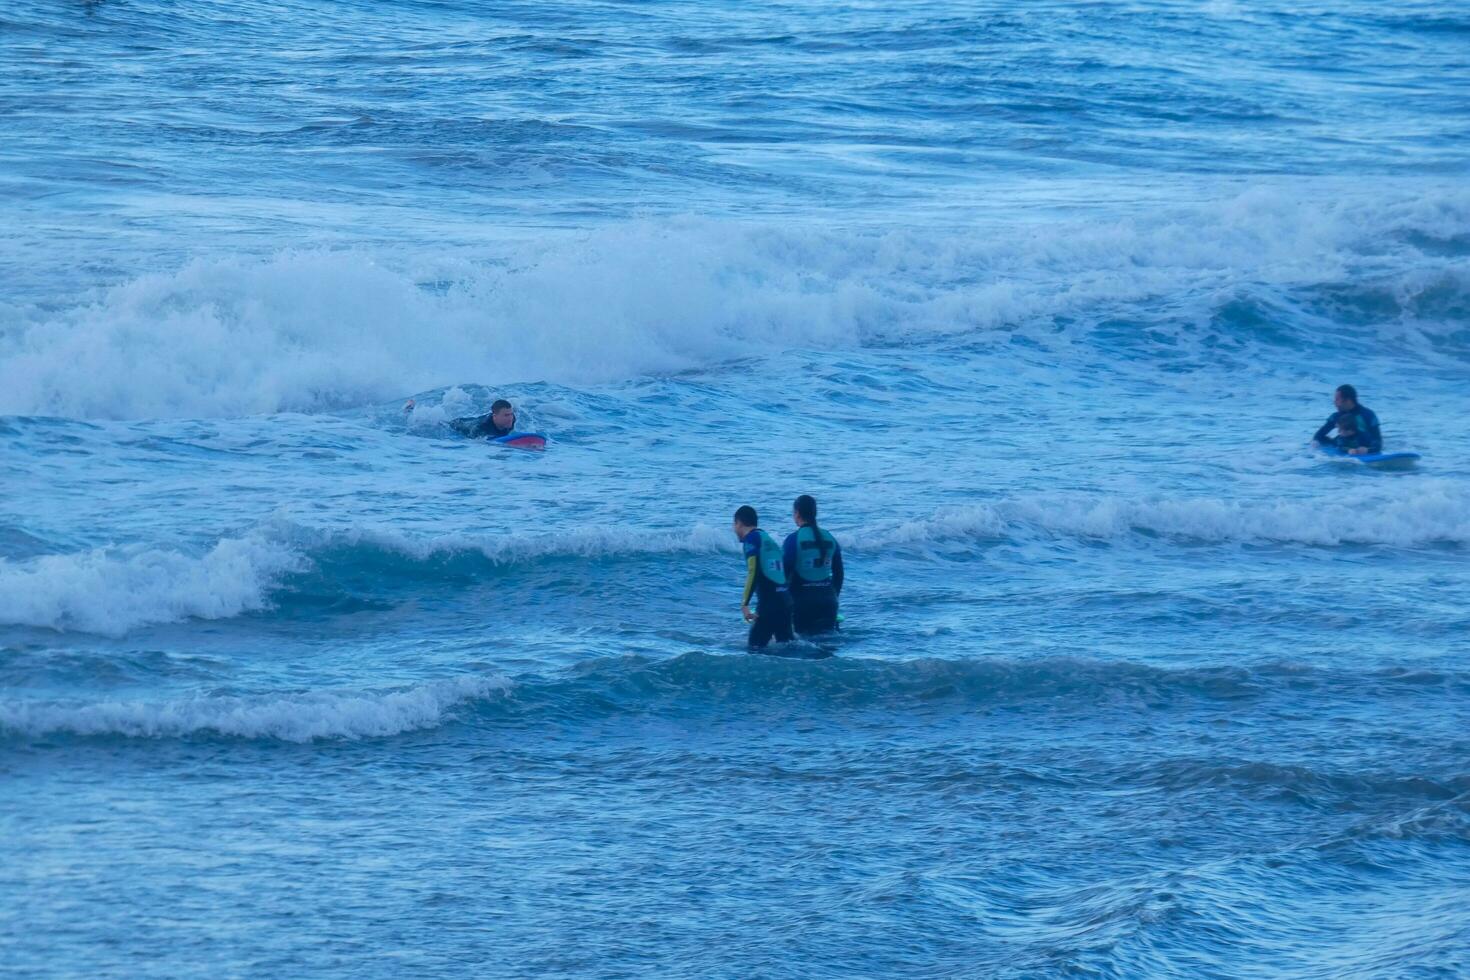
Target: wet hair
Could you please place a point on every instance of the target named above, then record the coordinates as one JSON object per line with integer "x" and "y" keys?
{"x": 806, "y": 508}
{"x": 499, "y": 404}
{"x": 1348, "y": 391}
{"x": 746, "y": 515}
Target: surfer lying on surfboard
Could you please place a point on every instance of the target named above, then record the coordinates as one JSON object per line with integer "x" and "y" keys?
{"x": 500, "y": 422}
{"x": 1356, "y": 425}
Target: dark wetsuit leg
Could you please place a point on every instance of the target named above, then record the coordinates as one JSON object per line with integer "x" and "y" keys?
{"x": 772, "y": 619}
{"x": 814, "y": 609}
{"x": 760, "y": 633}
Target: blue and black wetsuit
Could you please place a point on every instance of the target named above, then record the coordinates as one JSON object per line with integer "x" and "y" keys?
{"x": 766, "y": 580}
{"x": 814, "y": 561}
{"x": 1359, "y": 421}
{"x": 480, "y": 427}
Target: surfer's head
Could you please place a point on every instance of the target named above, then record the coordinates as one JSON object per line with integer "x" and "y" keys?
{"x": 745, "y": 521}
{"x": 1345, "y": 398}
{"x": 503, "y": 415}
{"x": 804, "y": 510}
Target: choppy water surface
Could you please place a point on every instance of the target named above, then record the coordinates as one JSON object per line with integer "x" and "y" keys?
{"x": 1041, "y": 302}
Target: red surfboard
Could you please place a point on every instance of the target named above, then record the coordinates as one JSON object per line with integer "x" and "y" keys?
{"x": 522, "y": 440}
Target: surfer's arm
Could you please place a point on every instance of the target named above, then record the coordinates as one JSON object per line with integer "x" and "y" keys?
{"x": 750, "y": 571}
{"x": 837, "y": 573}
{"x": 1373, "y": 436}
{"x": 788, "y": 555}
{"x": 472, "y": 426}
{"x": 1327, "y": 427}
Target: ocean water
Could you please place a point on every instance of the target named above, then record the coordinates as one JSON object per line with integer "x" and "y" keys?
{"x": 1041, "y": 301}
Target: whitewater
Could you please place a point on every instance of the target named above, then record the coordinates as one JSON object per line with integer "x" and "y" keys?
{"x": 1042, "y": 304}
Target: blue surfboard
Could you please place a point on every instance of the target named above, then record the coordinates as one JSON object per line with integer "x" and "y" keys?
{"x": 522, "y": 440}
{"x": 1378, "y": 461}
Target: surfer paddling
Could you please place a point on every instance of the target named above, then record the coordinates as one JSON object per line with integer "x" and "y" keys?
{"x": 500, "y": 422}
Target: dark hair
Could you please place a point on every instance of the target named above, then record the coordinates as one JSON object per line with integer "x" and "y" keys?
{"x": 746, "y": 515}
{"x": 1348, "y": 391}
{"x": 806, "y": 508}
{"x": 499, "y": 404}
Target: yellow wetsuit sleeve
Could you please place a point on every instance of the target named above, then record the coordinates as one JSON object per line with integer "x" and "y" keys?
{"x": 749, "y": 580}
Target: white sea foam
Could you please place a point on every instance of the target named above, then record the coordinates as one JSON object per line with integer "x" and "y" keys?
{"x": 1440, "y": 515}
{"x": 512, "y": 547}
{"x": 293, "y": 718}
{"x": 111, "y": 591}
{"x": 304, "y": 331}
{"x": 1437, "y": 516}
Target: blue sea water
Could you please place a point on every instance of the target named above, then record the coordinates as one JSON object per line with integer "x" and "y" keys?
{"x": 1042, "y": 302}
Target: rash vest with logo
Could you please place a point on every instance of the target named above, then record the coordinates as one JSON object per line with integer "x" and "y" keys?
{"x": 808, "y": 561}
{"x": 766, "y": 573}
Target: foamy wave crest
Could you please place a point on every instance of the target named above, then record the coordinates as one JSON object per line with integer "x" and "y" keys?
{"x": 295, "y": 718}
{"x": 308, "y": 331}
{"x": 518, "y": 546}
{"x": 1438, "y": 514}
{"x": 111, "y": 591}
{"x": 1432, "y": 517}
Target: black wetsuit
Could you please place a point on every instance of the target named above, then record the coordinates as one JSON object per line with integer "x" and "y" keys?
{"x": 481, "y": 427}
{"x": 1361, "y": 422}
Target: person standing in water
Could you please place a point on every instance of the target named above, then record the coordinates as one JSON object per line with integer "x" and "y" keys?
{"x": 813, "y": 561}
{"x": 765, "y": 580}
